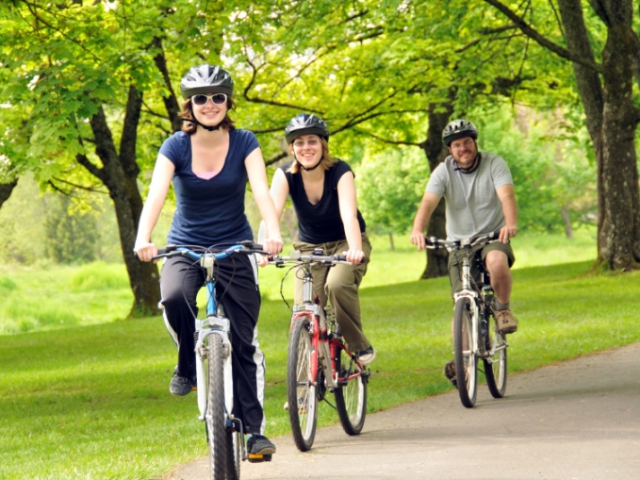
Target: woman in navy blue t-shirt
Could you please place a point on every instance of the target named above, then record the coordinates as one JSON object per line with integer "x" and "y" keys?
{"x": 323, "y": 193}
{"x": 210, "y": 162}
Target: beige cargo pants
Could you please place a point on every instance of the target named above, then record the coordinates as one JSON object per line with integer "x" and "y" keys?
{"x": 339, "y": 284}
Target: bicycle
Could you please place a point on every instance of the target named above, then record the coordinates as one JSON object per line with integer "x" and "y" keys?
{"x": 318, "y": 360}
{"x": 475, "y": 335}
{"x": 225, "y": 433}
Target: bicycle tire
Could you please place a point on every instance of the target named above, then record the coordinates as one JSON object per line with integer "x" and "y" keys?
{"x": 301, "y": 388}
{"x": 214, "y": 413}
{"x": 495, "y": 368}
{"x": 234, "y": 454}
{"x": 351, "y": 394}
{"x": 466, "y": 361}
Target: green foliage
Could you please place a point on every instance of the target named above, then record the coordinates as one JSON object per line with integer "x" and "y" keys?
{"x": 550, "y": 170}
{"x": 390, "y": 187}
{"x": 70, "y": 238}
{"x": 58, "y": 229}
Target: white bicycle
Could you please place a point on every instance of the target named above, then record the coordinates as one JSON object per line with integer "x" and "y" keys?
{"x": 225, "y": 433}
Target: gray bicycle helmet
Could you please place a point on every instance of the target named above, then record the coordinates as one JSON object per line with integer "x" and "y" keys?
{"x": 305, "y": 124}
{"x": 458, "y": 129}
{"x": 206, "y": 79}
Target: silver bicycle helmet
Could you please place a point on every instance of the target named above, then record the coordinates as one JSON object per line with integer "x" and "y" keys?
{"x": 458, "y": 129}
{"x": 206, "y": 79}
{"x": 305, "y": 124}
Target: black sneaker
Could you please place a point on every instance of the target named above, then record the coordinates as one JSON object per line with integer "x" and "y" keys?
{"x": 259, "y": 445}
{"x": 181, "y": 386}
{"x": 365, "y": 357}
{"x": 450, "y": 372}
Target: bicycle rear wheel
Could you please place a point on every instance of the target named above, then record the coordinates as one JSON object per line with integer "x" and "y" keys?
{"x": 351, "y": 394}
{"x": 214, "y": 413}
{"x": 495, "y": 367}
{"x": 465, "y": 358}
{"x": 301, "y": 388}
{"x": 234, "y": 454}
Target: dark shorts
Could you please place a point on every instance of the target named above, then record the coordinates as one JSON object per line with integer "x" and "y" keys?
{"x": 480, "y": 252}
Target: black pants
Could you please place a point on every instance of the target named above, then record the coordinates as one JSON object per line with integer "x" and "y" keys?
{"x": 238, "y": 293}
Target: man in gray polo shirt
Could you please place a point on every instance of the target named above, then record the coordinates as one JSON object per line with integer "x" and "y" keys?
{"x": 480, "y": 199}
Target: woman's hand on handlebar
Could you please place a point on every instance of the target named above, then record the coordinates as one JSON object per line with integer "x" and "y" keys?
{"x": 273, "y": 245}
{"x": 354, "y": 256}
{"x": 146, "y": 251}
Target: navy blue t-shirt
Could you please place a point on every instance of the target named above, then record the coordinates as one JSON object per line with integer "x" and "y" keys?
{"x": 320, "y": 223}
{"x": 210, "y": 211}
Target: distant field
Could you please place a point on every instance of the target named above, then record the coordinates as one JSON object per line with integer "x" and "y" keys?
{"x": 51, "y": 297}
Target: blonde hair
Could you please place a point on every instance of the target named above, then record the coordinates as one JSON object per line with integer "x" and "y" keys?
{"x": 326, "y": 162}
{"x": 187, "y": 112}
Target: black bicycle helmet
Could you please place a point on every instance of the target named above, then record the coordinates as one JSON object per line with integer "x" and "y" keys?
{"x": 206, "y": 79}
{"x": 305, "y": 124}
{"x": 458, "y": 129}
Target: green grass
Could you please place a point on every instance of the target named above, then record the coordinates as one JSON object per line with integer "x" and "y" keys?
{"x": 93, "y": 402}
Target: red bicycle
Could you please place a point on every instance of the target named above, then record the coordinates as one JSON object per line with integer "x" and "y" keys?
{"x": 318, "y": 360}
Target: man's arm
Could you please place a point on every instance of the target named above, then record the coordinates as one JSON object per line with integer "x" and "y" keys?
{"x": 507, "y": 196}
{"x": 427, "y": 206}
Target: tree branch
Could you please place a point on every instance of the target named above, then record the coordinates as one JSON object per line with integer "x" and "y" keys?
{"x": 386, "y": 140}
{"x": 541, "y": 40}
{"x": 276, "y": 158}
{"x": 74, "y": 185}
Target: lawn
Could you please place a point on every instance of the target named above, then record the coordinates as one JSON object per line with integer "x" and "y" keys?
{"x": 91, "y": 401}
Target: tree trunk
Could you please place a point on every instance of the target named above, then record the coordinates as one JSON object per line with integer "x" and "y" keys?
{"x": 119, "y": 174}
{"x": 568, "y": 230}
{"x": 5, "y": 191}
{"x": 619, "y": 217}
{"x": 611, "y": 120}
{"x": 436, "y": 152}
{"x": 391, "y": 244}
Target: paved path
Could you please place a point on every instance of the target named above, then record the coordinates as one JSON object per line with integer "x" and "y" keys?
{"x": 573, "y": 420}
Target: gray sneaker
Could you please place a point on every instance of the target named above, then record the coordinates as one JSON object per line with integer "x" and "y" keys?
{"x": 181, "y": 386}
{"x": 365, "y": 357}
{"x": 505, "y": 321}
{"x": 450, "y": 372}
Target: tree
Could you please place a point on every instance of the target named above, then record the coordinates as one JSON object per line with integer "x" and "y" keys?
{"x": 93, "y": 83}
{"x": 606, "y": 89}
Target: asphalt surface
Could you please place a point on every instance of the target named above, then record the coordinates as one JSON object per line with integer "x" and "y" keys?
{"x": 574, "y": 420}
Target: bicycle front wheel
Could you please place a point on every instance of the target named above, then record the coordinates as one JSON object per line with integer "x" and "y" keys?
{"x": 465, "y": 357}
{"x": 234, "y": 455}
{"x": 495, "y": 367}
{"x": 301, "y": 388}
{"x": 214, "y": 413}
{"x": 351, "y": 394}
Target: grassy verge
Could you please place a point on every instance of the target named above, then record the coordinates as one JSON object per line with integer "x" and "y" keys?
{"x": 93, "y": 402}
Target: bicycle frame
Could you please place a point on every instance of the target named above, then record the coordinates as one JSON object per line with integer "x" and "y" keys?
{"x": 325, "y": 347}
{"x": 476, "y": 298}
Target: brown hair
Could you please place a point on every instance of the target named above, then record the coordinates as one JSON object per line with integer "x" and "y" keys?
{"x": 187, "y": 112}
{"x": 326, "y": 163}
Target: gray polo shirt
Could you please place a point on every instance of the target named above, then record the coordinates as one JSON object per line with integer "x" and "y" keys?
{"x": 472, "y": 204}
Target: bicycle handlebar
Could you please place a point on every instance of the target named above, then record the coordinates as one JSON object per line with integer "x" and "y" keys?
{"x": 196, "y": 251}
{"x": 297, "y": 257}
{"x": 451, "y": 245}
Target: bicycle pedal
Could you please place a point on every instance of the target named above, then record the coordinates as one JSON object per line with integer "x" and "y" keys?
{"x": 258, "y": 457}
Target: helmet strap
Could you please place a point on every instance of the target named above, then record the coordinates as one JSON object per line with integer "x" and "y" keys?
{"x": 311, "y": 168}
{"x": 474, "y": 166}
{"x": 206, "y": 127}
